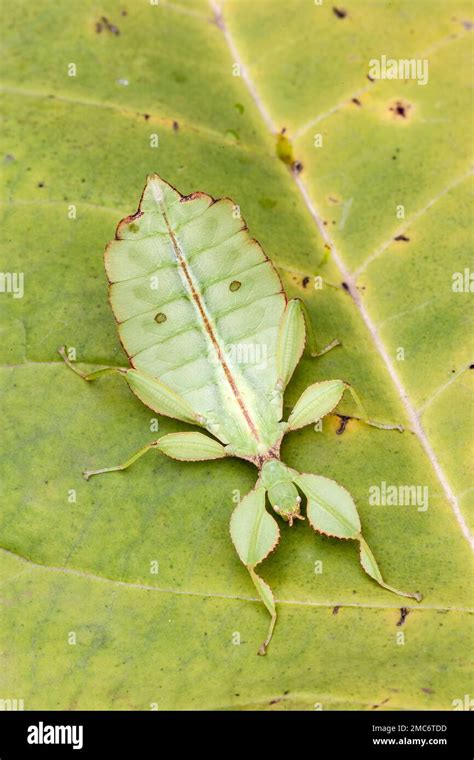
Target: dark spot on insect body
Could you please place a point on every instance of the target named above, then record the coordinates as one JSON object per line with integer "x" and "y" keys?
{"x": 336, "y": 609}
{"x": 160, "y": 318}
{"x": 339, "y": 12}
{"x": 234, "y": 285}
{"x": 175, "y": 126}
{"x": 305, "y": 281}
{"x": 403, "y": 615}
{"x": 402, "y": 237}
{"x": 343, "y": 424}
{"x": 356, "y": 101}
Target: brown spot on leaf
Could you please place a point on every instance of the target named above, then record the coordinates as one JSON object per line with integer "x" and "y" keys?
{"x": 305, "y": 281}
{"x": 336, "y": 609}
{"x": 403, "y": 238}
{"x": 339, "y": 12}
{"x": 404, "y": 612}
{"x": 297, "y": 167}
{"x": 356, "y": 101}
{"x": 175, "y": 126}
{"x": 106, "y": 24}
{"x": 343, "y": 424}
{"x": 234, "y": 285}
{"x": 400, "y": 109}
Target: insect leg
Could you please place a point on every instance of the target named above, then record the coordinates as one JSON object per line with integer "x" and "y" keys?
{"x": 311, "y": 335}
{"x": 315, "y": 402}
{"x": 90, "y": 375}
{"x": 153, "y": 445}
{"x": 363, "y": 413}
{"x": 290, "y": 343}
{"x": 187, "y": 447}
{"x": 331, "y": 510}
{"x": 255, "y": 534}
{"x": 266, "y": 596}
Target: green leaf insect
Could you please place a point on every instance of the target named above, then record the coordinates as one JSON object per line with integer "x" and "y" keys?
{"x": 213, "y": 341}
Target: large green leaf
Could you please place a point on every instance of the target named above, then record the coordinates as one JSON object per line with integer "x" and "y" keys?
{"x": 89, "y": 566}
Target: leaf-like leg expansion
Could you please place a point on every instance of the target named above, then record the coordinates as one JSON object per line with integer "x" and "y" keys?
{"x": 255, "y": 534}
{"x": 290, "y": 343}
{"x": 367, "y": 560}
{"x": 315, "y": 402}
{"x": 88, "y": 375}
{"x": 311, "y": 335}
{"x": 159, "y": 397}
{"x": 187, "y": 447}
{"x": 364, "y": 417}
{"x": 331, "y": 510}
{"x": 191, "y": 447}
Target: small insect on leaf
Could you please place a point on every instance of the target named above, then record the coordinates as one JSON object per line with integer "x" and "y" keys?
{"x": 185, "y": 339}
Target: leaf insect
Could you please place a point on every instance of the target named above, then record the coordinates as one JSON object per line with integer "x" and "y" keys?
{"x": 215, "y": 291}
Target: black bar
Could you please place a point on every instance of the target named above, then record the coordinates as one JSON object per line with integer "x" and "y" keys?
{"x": 155, "y": 734}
